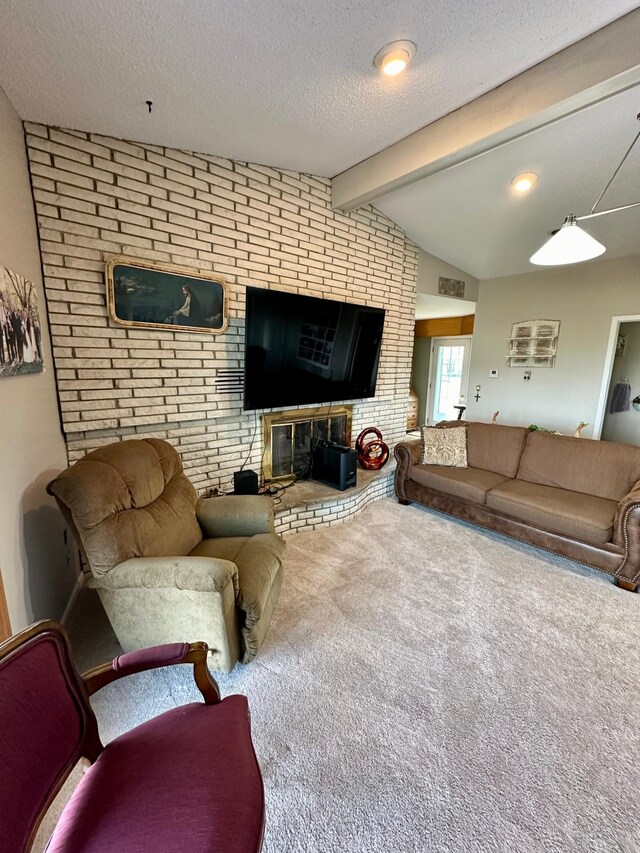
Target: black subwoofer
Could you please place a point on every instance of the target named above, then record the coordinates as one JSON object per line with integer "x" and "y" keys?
{"x": 335, "y": 465}
{"x": 245, "y": 483}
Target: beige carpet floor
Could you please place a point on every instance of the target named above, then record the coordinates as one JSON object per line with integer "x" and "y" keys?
{"x": 426, "y": 686}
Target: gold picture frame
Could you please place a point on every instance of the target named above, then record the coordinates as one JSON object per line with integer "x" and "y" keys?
{"x": 147, "y": 295}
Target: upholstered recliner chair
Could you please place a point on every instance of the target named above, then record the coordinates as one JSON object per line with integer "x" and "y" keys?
{"x": 167, "y": 565}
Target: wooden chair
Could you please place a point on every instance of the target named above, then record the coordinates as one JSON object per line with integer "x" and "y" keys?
{"x": 186, "y": 781}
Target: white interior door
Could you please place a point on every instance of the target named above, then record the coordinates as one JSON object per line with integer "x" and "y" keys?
{"x": 448, "y": 377}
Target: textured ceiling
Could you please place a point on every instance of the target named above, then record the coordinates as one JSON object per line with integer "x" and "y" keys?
{"x": 281, "y": 82}
{"x": 470, "y": 217}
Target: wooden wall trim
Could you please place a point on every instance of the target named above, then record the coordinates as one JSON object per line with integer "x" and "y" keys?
{"x": 467, "y": 324}
{"x": 5, "y": 624}
{"x": 445, "y": 327}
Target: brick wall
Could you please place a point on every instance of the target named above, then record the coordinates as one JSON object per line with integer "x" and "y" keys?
{"x": 335, "y": 510}
{"x": 98, "y": 197}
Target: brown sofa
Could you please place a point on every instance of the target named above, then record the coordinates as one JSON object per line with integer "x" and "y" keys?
{"x": 571, "y": 496}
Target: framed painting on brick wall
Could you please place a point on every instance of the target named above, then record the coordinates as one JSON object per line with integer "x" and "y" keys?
{"x": 153, "y": 296}
{"x": 20, "y": 332}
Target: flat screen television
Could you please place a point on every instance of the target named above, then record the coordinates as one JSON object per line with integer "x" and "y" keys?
{"x": 300, "y": 349}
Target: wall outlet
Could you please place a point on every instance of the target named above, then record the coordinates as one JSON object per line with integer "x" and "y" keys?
{"x": 527, "y": 375}
{"x": 494, "y": 373}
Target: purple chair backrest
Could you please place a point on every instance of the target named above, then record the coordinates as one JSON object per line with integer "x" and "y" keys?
{"x": 46, "y": 725}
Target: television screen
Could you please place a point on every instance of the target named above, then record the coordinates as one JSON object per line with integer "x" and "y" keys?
{"x": 299, "y": 349}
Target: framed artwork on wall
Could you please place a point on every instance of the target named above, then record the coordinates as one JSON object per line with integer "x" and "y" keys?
{"x": 20, "y": 331}
{"x": 451, "y": 287}
{"x": 533, "y": 343}
{"x": 164, "y": 296}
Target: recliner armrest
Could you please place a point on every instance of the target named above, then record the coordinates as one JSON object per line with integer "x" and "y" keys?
{"x": 200, "y": 574}
{"x": 235, "y": 515}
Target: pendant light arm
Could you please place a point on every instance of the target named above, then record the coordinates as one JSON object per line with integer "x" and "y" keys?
{"x": 611, "y": 179}
{"x": 592, "y": 215}
{"x": 569, "y": 244}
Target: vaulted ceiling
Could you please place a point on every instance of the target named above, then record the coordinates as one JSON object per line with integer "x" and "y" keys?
{"x": 470, "y": 215}
{"x": 281, "y": 82}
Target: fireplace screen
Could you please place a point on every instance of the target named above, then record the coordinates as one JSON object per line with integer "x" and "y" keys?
{"x": 289, "y": 437}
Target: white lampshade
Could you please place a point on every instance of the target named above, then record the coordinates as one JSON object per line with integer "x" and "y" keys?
{"x": 569, "y": 245}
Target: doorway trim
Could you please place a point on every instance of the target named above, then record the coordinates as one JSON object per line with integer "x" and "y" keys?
{"x": 431, "y": 351}
{"x": 608, "y": 369}
{"x": 5, "y": 622}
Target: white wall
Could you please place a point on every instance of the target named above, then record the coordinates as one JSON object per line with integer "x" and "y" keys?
{"x": 584, "y": 298}
{"x": 37, "y": 568}
{"x": 625, "y": 426}
{"x": 431, "y": 268}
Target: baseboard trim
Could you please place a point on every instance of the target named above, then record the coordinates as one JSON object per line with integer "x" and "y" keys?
{"x": 75, "y": 592}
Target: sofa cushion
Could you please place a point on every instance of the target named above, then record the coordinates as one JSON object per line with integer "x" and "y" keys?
{"x": 605, "y": 469}
{"x": 444, "y": 446}
{"x": 493, "y": 447}
{"x": 258, "y": 558}
{"x": 222, "y": 547}
{"x": 187, "y": 780}
{"x": 561, "y": 511}
{"x": 470, "y": 484}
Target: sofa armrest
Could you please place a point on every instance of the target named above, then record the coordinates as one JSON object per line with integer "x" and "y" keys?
{"x": 626, "y": 508}
{"x": 200, "y": 574}
{"x": 407, "y": 453}
{"x": 626, "y": 534}
{"x": 152, "y": 658}
{"x": 235, "y": 515}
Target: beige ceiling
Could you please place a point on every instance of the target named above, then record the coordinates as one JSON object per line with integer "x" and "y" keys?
{"x": 469, "y": 215}
{"x": 279, "y": 82}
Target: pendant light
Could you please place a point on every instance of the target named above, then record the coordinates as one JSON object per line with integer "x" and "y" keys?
{"x": 568, "y": 245}
{"x": 571, "y": 244}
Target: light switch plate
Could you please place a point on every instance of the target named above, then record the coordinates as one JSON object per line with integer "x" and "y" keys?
{"x": 494, "y": 373}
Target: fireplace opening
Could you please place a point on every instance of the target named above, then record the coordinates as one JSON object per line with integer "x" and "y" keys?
{"x": 288, "y": 438}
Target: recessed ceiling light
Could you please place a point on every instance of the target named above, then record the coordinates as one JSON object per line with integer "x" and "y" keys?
{"x": 524, "y": 182}
{"x": 394, "y": 57}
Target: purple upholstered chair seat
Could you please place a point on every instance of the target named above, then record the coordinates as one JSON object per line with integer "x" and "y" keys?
{"x": 176, "y": 784}
{"x": 184, "y": 782}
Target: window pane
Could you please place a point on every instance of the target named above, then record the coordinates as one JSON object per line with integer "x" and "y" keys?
{"x": 281, "y": 450}
{"x": 339, "y": 429}
{"x": 448, "y": 381}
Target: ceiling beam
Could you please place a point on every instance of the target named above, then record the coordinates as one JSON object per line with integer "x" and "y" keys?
{"x": 597, "y": 67}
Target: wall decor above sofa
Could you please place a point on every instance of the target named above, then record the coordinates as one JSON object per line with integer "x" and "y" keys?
{"x": 149, "y": 295}
{"x": 533, "y": 343}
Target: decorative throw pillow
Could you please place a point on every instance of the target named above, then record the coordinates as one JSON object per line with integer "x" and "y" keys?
{"x": 444, "y": 446}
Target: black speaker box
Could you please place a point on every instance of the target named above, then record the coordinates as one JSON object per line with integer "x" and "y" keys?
{"x": 245, "y": 483}
{"x": 335, "y": 466}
